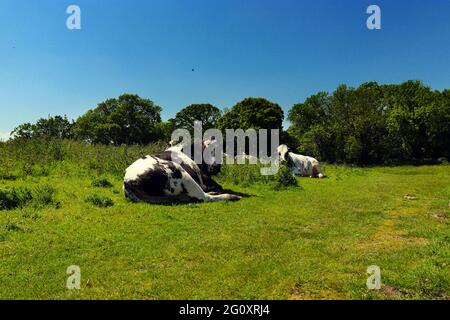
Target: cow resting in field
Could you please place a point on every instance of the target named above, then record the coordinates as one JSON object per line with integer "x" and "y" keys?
{"x": 172, "y": 177}
{"x": 300, "y": 165}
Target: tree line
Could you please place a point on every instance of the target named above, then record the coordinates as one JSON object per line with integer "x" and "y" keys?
{"x": 374, "y": 124}
{"x": 370, "y": 124}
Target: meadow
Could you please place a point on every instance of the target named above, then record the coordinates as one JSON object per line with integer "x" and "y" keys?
{"x": 61, "y": 204}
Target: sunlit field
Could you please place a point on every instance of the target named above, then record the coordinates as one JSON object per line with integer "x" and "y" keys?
{"x": 62, "y": 204}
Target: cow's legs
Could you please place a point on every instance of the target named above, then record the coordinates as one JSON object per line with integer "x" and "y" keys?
{"x": 317, "y": 171}
{"x": 193, "y": 190}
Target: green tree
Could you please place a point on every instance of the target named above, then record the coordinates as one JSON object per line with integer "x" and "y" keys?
{"x": 253, "y": 113}
{"x": 413, "y": 121}
{"x": 256, "y": 113}
{"x": 127, "y": 119}
{"x": 303, "y": 116}
{"x": 374, "y": 124}
{"x": 163, "y": 130}
{"x": 57, "y": 127}
{"x": 23, "y": 131}
{"x": 207, "y": 114}
{"x": 347, "y": 126}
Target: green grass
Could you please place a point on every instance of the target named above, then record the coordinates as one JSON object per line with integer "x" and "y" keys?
{"x": 311, "y": 242}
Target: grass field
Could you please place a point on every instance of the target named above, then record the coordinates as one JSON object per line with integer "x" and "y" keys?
{"x": 311, "y": 242}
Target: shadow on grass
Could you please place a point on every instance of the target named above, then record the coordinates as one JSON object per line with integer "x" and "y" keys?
{"x": 240, "y": 194}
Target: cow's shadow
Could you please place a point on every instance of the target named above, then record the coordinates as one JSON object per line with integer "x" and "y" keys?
{"x": 236, "y": 193}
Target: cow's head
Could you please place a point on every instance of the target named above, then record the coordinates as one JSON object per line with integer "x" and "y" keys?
{"x": 212, "y": 167}
{"x": 208, "y": 166}
{"x": 283, "y": 150}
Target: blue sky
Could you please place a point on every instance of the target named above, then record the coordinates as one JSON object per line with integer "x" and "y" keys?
{"x": 284, "y": 50}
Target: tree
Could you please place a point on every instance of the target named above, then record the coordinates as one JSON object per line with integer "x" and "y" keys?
{"x": 23, "y": 131}
{"x": 57, "y": 127}
{"x": 127, "y": 119}
{"x": 346, "y": 127}
{"x": 304, "y": 115}
{"x": 207, "y": 114}
{"x": 374, "y": 124}
{"x": 414, "y": 123}
{"x": 253, "y": 113}
{"x": 163, "y": 130}
{"x": 54, "y": 127}
{"x": 256, "y": 113}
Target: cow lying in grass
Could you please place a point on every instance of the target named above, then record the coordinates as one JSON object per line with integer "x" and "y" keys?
{"x": 159, "y": 179}
{"x": 303, "y": 166}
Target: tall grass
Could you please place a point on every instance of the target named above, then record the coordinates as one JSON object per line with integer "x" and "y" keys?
{"x": 249, "y": 174}
{"x": 12, "y": 198}
{"x": 38, "y": 157}
{"x": 17, "y": 197}
{"x": 42, "y": 157}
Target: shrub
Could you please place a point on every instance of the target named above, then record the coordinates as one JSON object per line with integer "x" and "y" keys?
{"x": 243, "y": 174}
{"x": 249, "y": 174}
{"x": 13, "y": 198}
{"x": 27, "y": 169}
{"x": 12, "y": 227}
{"x": 99, "y": 201}
{"x": 284, "y": 178}
{"x": 101, "y": 183}
{"x": 44, "y": 196}
{"x": 40, "y": 171}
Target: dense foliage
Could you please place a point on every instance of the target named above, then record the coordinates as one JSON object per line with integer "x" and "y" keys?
{"x": 256, "y": 113}
{"x": 369, "y": 124}
{"x": 128, "y": 119}
{"x": 374, "y": 124}
{"x": 207, "y": 114}
{"x": 51, "y": 127}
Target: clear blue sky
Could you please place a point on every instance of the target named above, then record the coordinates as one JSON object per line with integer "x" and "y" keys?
{"x": 284, "y": 50}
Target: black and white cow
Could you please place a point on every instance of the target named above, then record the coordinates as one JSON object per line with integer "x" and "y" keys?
{"x": 162, "y": 179}
{"x": 300, "y": 165}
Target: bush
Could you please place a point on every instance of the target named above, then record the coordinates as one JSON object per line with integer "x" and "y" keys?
{"x": 243, "y": 174}
{"x": 99, "y": 201}
{"x": 13, "y": 198}
{"x": 12, "y": 227}
{"x": 284, "y": 178}
{"x": 249, "y": 174}
{"x": 44, "y": 196}
{"x": 101, "y": 183}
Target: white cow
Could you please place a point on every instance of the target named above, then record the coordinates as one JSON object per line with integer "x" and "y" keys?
{"x": 300, "y": 165}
